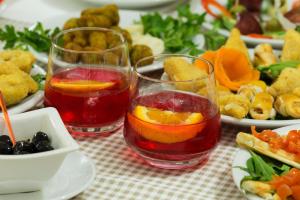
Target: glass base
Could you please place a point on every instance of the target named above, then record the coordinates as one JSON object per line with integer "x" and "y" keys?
{"x": 175, "y": 164}
{"x": 102, "y": 131}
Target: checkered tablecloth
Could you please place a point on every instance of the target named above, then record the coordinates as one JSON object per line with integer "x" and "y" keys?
{"x": 122, "y": 175}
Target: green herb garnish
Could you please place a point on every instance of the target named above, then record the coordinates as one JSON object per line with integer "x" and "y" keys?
{"x": 274, "y": 70}
{"x": 40, "y": 79}
{"x": 37, "y": 38}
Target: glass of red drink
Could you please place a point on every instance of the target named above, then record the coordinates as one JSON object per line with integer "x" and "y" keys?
{"x": 88, "y": 80}
{"x": 173, "y": 124}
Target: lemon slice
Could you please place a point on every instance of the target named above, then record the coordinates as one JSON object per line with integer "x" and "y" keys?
{"x": 165, "y": 126}
{"x": 81, "y": 85}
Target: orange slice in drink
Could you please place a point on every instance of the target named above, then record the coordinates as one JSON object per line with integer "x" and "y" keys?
{"x": 80, "y": 85}
{"x": 165, "y": 126}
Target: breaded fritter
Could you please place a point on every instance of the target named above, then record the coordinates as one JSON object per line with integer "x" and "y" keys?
{"x": 22, "y": 59}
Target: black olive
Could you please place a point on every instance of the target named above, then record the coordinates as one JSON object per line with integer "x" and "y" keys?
{"x": 5, "y": 148}
{"x": 24, "y": 146}
{"x": 5, "y": 139}
{"x": 40, "y": 136}
{"x": 43, "y": 146}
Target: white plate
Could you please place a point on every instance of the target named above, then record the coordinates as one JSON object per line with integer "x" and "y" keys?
{"x": 75, "y": 175}
{"x": 132, "y": 3}
{"x": 127, "y": 18}
{"x": 242, "y": 155}
{"x": 32, "y": 100}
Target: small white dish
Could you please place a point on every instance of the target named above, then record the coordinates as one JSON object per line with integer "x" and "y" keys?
{"x": 74, "y": 176}
{"x": 241, "y": 157}
{"x": 132, "y": 3}
{"x": 30, "y": 172}
{"x": 30, "y": 101}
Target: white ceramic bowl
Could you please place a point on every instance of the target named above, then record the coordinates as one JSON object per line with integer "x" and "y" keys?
{"x": 30, "y": 172}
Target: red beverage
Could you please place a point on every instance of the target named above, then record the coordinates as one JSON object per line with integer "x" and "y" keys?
{"x": 88, "y": 97}
{"x": 173, "y": 142}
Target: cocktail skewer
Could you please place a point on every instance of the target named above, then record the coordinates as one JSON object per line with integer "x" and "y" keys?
{"x": 7, "y": 120}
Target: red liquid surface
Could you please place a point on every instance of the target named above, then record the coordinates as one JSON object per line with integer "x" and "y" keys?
{"x": 205, "y": 139}
{"x": 89, "y": 108}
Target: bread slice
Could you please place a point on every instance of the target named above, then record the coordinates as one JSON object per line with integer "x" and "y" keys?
{"x": 251, "y": 142}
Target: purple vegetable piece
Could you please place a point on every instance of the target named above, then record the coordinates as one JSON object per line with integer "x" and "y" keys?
{"x": 251, "y": 5}
{"x": 247, "y": 23}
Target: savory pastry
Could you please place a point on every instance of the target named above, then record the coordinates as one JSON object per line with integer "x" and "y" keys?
{"x": 262, "y": 106}
{"x": 235, "y": 42}
{"x": 234, "y": 105}
{"x": 251, "y": 142}
{"x": 291, "y": 47}
{"x": 286, "y": 81}
{"x": 22, "y": 59}
{"x": 252, "y": 88}
{"x": 179, "y": 69}
{"x": 264, "y": 55}
{"x": 288, "y": 105}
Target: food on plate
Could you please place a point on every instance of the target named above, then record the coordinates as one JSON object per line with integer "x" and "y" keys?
{"x": 291, "y": 47}
{"x": 262, "y": 106}
{"x": 275, "y": 173}
{"x": 288, "y": 105}
{"x": 271, "y": 144}
{"x": 252, "y": 88}
{"x": 22, "y": 59}
{"x": 257, "y": 19}
{"x": 16, "y": 84}
{"x": 138, "y": 52}
{"x": 235, "y": 42}
{"x": 264, "y": 55}
{"x": 40, "y": 142}
{"x": 286, "y": 81}
{"x": 232, "y": 68}
{"x": 179, "y": 69}
{"x": 234, "y": 105}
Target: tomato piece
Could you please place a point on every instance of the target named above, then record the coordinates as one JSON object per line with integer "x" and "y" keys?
{"x": 292, "y": 147}
{"x": 293, "y": 135}
{"x": 296, "y": 192}
{"x": 284, "y": 191}
{"x": 276, "y": 182}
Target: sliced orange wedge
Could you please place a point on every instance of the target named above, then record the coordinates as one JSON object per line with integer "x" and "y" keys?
{"x": 165, "y": 126}
{"x": 81, "y": 85}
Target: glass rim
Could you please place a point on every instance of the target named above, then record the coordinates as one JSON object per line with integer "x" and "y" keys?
{"x": 139, "y": 74}
{"x": 63, "y": 32}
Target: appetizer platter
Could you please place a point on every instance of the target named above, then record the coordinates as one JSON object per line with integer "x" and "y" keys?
{"x": 138, "y": 28}
{"x": 267, "y": 164}
{"x": 20, "y": 80}
{"x": 269, "y": 19}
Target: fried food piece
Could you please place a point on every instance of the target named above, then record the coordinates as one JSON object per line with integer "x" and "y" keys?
{"x": 69, "y": 56}
{"x": 234, "y": 105}
{"x": 91, "y": 58}
{"x": 286, "y": 81}
{"x": 22, "y": 59}
{"x": 16, "y": 86}
{"x": 157, "y": 45}
{"x": 235, "y": 42}
{"x": 95, "y": 21}
{"x": 139, "y": 52}
{"x": 262, "y": 189}
{"x": 252, "y": 88}
{"x": 264, "y": 55}
{"x": 221, "y": 91}
{"x": 262, "y": 106}
{"x": 288, "y": 105}
{"x": 109, "y": 11}
{"x": 291, "y": 47}
{"x": 98, "y": 40}
{"x": 71, "y": 23}
{"x": 179, "y": 69}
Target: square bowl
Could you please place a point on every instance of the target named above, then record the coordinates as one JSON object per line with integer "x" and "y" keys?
{"x": 30, "y": 172}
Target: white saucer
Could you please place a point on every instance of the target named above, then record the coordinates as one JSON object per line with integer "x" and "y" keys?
{"x": 75, "y": 175}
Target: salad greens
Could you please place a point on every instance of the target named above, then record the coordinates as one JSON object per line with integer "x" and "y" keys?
{"x": 274, "y": 70}
{"x": 40, "y": 79}
{"x": 262, "y": 168}
{"x": 37, "y": 38}
{"x": 178, "y": 33}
